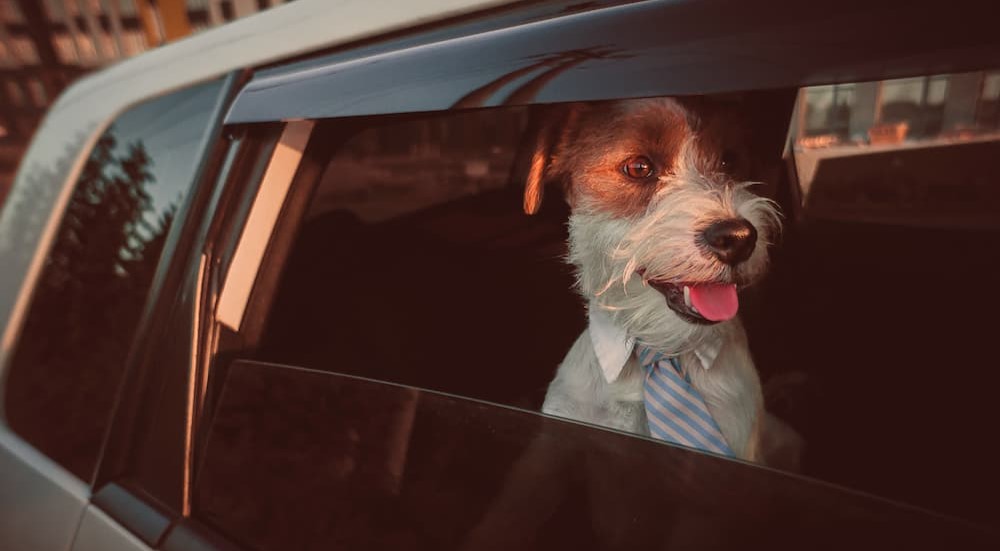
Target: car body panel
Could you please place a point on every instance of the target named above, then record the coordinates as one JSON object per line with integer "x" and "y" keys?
{"x": 32, "y": 488}
{"x": 99, "y": 532}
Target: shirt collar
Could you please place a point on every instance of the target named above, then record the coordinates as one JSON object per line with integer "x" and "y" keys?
{"x": 613, "y": 346}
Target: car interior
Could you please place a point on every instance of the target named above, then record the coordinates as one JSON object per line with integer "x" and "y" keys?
{"x": 416, "y": 265}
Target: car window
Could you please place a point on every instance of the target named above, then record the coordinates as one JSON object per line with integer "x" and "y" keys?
{"x": 906, "y": 151}
{"x": 415, "y": 264}
{"x": 878, "y": 292}
{"x": 302, "y": 459}
{"x": 416, "y": 217}
{"x": 68, "y": 362}
{"x": 415, "y": 255}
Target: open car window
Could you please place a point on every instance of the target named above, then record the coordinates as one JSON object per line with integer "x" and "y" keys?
{"x": 415, "y": 264}
{"x": 404, "y": 256}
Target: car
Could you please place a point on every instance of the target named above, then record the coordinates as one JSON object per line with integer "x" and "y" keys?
{"x": 270, "y": 287}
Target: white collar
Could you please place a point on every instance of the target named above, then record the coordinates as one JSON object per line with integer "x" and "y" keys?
{"x": 613, "y": 346}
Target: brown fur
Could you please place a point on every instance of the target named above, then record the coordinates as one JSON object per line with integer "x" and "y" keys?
{"x": 593, "y": 160}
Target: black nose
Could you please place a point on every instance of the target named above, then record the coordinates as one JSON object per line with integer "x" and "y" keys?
{"x": 731, "y": 240}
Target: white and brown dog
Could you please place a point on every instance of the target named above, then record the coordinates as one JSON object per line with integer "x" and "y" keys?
{"x": 663, "y": 232}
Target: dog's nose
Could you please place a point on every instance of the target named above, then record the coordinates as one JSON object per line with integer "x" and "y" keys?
{"x": 732, "y": 241}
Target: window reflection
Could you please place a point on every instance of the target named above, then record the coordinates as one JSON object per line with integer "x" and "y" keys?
{"x": 298, "y": 459}
{"x": 92, "y": 290}
{"x": 393, "y": 169}
{"x": 912, "y": 150}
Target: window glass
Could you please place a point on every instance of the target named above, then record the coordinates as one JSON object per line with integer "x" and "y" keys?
{"x": 415, "y": 217}
{"x": 388, "y": 171}
{"x": 988, "y": 115}
{"x": 912, "y": 150}
{"x": 879, "y": 280}
{"x": 299, "y": 459}
{"x": 69, "y": 359}
{"x": 828, "y": 110}
{"x": 416, "y": 265}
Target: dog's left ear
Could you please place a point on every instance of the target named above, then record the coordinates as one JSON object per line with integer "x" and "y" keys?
{"x": 549, "y": 125}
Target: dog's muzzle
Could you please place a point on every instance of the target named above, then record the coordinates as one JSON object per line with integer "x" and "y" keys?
{"x": 731, "y": 241}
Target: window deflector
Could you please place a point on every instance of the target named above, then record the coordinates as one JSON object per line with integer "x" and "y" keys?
{"x": 260, "y": 223}
{"x": 670, "y": 48}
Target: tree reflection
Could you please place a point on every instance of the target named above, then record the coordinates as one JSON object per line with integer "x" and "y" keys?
{"x": 87, "y": 305}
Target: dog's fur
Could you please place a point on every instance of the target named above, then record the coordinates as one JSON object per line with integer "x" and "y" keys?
{"x": 624, "y": 233}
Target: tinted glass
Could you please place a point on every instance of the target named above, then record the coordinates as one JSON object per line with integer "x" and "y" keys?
{"x": 881, "y": 297}
{"x": 911, "y": 151}
{"x": 421, "y": 220}
{"x": 96, "y": 279}
{"x": 299, "y": 459}
{"x": 416, "y": 265}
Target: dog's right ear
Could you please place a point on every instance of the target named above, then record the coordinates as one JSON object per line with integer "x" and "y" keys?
{"x": 548, "y": 128}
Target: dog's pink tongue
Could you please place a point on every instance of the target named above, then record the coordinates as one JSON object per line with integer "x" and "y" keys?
{"x": 715, "y": 302}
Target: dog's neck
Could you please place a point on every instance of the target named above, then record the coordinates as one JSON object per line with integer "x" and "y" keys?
{"x": 613, "y": 345}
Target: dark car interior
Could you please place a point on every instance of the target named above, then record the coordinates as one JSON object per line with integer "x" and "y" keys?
{"x": 870, "y": 334}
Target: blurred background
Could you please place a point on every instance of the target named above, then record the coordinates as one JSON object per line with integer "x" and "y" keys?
{"x": 47, "y": 44}
{"x": 909, "y": 150}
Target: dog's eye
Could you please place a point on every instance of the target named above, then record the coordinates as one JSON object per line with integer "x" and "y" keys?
{"x": 638, "y": 167}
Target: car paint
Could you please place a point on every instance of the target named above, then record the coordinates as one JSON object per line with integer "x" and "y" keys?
{"x": 37, "y": 491}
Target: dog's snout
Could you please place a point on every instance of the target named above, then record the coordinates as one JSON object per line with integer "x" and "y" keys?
{"x": 732, "y": 241}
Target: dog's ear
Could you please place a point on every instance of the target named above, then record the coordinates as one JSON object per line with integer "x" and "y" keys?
{"x": 547, "y": 129}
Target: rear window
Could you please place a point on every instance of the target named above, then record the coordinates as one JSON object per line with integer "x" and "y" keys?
{"x": 909, "y": 151}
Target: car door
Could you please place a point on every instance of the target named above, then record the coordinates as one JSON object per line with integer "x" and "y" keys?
{"x": 336, "y": 399}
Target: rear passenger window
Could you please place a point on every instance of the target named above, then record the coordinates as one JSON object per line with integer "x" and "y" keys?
{"x": 96, "y": 279}
{"x": 415, "y": 262}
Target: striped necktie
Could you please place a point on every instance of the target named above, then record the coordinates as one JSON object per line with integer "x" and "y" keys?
{"x": 674, "y": 409}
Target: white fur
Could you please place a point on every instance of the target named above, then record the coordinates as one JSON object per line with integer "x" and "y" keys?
{"x": 608, "y": 252}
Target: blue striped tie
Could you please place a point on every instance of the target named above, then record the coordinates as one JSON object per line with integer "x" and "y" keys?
{"x": 674, "y": 409}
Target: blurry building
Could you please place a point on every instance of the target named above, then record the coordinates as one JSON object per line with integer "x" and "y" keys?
{"x": 908, "y": 109}
{"x": 46, "y": 44}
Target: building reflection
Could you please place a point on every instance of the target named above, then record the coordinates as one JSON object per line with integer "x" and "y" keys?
{"x": 894, "y": 111}
{"x": 47, "y": 44}
{"x": 912, "y": 150}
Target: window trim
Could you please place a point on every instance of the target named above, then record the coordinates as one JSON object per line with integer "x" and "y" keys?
{"x": 547, "y": 60}
{"x": 263, "y": 217}
{"x": 165, "y": 319}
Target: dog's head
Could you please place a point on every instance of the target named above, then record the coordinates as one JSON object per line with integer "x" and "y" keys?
{"x": 664, "y": 226}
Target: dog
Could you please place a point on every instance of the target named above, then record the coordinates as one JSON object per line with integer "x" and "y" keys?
{"x": 664, "y": 229}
